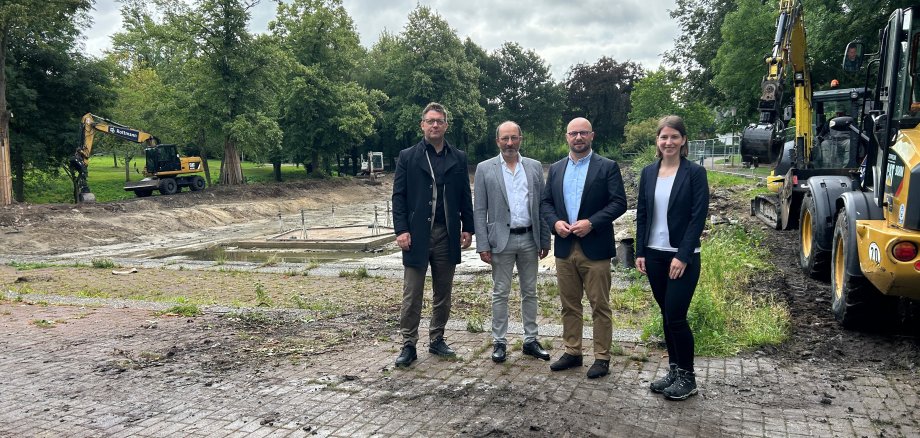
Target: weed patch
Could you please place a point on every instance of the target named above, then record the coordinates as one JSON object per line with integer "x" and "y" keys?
{"x": 103, "y": 263}
{"x": 724, "y": 318}
{"x": 187, "y": 310}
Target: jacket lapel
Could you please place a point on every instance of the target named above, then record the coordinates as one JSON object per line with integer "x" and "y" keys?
{"x": 421, "y": 159}
{"x": 498, "y": 173}
{"x": 679, "y": 178}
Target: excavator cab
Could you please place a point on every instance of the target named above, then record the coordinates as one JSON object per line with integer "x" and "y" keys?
{"x": 853, "y": 57}
{"x": 162, "y": 158}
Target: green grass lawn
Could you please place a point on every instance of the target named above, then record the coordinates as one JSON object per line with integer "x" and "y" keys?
{"x": 107, "y": 182}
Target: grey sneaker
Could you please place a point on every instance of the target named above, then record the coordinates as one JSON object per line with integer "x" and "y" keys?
{"x": 683, "y": 387}
{"x": 659, "y": 385}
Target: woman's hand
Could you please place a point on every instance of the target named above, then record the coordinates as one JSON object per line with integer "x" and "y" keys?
{"x": 640, "y": 264}
{"x": 677, "y": 269}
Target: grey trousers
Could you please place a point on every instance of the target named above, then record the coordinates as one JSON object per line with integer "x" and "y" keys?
{"x": 442, "y": 279}
{"x": 523, "y": 252}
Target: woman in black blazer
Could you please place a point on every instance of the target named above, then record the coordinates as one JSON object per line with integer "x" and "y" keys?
{"x": 670, "y": 216}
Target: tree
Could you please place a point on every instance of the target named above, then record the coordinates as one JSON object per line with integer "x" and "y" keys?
{"x": 232, "y": 81}
{"x": 700, "y": 22}
{"x": 325, "y": 112}
{"x": 600, "y": 92}
{"x": 23, "y": 22}
{"x": 427, "y": 62}
{"x": 524, "y": 90}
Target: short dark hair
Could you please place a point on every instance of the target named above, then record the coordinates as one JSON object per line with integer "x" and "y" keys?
{"x": 676, "y": 123}
{"x": 436, "y": 107}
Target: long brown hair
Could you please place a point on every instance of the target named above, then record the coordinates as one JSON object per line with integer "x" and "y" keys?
{"x": 676, "y": 123}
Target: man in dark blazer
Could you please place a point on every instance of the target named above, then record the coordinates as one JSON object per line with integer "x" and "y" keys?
{"x": 509, "y": 233}
{"x": 583, "y": 196}
{"x": 433, "y": 221}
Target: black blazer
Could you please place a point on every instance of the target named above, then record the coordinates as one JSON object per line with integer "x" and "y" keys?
{"x": 602, "y": 201}
{"x": 412, "y": 202}
{"x": 688, "y": 207}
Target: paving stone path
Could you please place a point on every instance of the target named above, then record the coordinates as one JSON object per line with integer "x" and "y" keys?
{"x": 73, "y": 371}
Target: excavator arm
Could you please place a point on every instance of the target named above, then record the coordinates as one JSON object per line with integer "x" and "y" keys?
{"x": 90, "y": 125}
{"x": 763, "y": 142}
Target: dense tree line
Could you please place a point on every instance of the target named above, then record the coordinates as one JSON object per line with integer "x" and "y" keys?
{"x": 307, "y": 92}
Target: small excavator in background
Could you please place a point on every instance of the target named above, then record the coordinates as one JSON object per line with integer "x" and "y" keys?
{"x": 797, "y": 160}
{"x": 165, "y": 170}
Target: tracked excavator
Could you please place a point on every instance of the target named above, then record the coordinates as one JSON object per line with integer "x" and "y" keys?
{"x": 165, "y": 171}
{"x": 815, "y": 150}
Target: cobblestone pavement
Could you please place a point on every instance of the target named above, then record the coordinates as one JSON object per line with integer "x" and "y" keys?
{"x": 71, "y": 371}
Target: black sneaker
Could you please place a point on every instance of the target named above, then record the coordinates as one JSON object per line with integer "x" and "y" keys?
{"x": 600, "y": 368}
{"x": 565, "y": 362}
{"x": 406, "y": 356}
{"x": 439, "y": 347}
{"x": 661, "y": 384}
{"x": 683, "y": 387}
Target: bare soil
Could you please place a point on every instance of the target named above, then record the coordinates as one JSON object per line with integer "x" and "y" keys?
{"x": 141, "y": 227}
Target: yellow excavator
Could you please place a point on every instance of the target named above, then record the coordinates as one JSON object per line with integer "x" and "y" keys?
{"x": 875, "y": 267}
{"x": 165, "y": 170}
{"x": 796, "y": 160}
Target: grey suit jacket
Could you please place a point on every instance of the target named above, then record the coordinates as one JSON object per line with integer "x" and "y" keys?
{"x": 491, "y": 212}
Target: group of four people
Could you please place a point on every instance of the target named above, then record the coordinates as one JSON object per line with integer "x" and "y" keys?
{"x": 513, "y": 214}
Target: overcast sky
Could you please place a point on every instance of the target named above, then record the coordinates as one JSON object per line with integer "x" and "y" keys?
{"x": 563, "y": 35}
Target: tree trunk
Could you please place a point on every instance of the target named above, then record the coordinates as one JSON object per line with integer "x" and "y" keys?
{"x": 276, "y": 165}
{"x": 203, "y": 153}
{"x": 115, "y": 161}
{"x": 19, "y": 174}
{"x": 6, "y": 180}
{"x": 231, "y": 172}
{"x": 127, "y": 168}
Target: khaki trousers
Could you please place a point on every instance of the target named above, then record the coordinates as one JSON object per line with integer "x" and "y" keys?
{"x": 578, "y": 276}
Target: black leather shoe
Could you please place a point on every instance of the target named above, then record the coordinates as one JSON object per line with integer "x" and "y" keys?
{"x": 440, "y": 348}
{"x": 406, "y": 356}
{"x": 498, "y": 355}
{"x": 599, "y": 368}
{"x": 565, "y": 362}
{"x": 533, "y": 348}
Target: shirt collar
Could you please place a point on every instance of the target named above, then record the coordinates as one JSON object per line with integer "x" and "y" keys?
{"x": 505, "y": 163}
{"x": 583, "y": 159}
{"x": 430, "y": 147}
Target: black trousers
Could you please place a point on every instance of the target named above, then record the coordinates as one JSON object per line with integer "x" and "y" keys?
{"x": 673, "y": 297}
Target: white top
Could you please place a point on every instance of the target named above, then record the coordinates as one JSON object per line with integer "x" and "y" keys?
{"x": 516, "y": 190}
{"x": 658, "y": 236}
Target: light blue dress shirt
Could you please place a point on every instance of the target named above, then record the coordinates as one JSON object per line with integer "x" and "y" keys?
{"x": 573, "y": 185}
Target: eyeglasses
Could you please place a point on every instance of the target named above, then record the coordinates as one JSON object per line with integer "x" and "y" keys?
{"x": 575, "y": 134}
{"x": 435, "y": 121}
{"x": 514, "y": 138}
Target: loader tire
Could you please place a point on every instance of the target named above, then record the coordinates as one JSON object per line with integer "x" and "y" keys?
{"x": 855, "y": 302}
{"x": 814, "y": 262}
{"x": 197, "y": 184}
{"x": 168, "y": 187}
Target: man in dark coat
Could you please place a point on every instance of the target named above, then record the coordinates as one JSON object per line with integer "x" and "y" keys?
{"x": 583, "y": 196}
{"x": 433, "y": 221}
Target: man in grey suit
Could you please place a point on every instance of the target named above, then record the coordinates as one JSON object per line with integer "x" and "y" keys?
{"x": 509, "y": 232}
